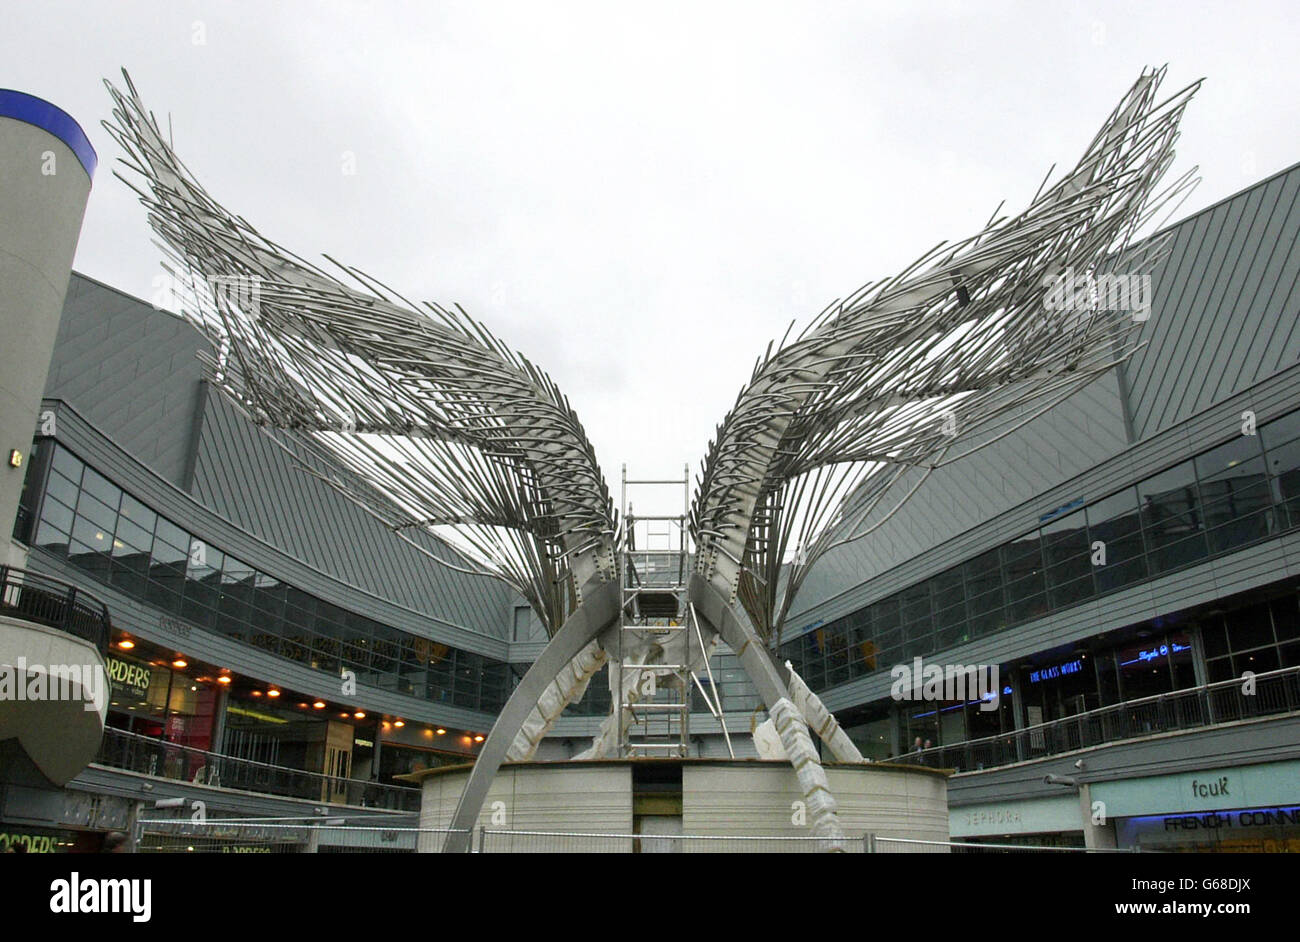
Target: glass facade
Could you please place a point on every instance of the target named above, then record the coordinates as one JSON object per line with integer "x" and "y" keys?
{"x": 118, "y": 540}
{"x": 1264, "y": 636}
{"x": 1240, "y": 492}
{"x": 1256, "y": 632}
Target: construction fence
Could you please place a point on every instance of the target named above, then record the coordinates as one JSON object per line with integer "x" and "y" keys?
{"x": 301, "y": 835}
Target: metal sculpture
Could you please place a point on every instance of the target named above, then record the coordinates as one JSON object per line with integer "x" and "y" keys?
{"x": 918, "y": 371}
{"x": 420, "y": 415}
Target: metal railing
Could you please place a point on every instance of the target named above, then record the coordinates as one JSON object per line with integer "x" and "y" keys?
{"x": 1272, "y": 693}
{"x": 55, "y": 604}
{"x": 903, "y": 845}
{"x": 305, "y": 835}
{"x": 366, "y": 835}
{"x": 493, "y": 841}
{"x": 149, "y": 756}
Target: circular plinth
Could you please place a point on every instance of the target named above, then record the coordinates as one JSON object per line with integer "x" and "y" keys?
{"x": 724, "y": 802}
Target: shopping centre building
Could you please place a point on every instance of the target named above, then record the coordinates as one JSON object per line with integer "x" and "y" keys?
{"x": 1129, "y": 562}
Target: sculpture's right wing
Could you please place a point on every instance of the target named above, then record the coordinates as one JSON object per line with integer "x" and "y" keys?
{"x": 916, "y": 371}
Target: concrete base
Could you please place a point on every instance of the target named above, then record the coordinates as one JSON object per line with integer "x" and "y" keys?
{"x": 720, "y": 798}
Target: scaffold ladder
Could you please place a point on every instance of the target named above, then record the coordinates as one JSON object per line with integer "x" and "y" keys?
{"x": 652, "y": 688}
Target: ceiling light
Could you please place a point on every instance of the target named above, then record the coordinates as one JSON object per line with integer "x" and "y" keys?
{"x": 180, "y": 663}
{"x": 126, "y": 644}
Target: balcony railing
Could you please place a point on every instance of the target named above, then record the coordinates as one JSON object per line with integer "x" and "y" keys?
{"x": 149, "y": 756}
{"x": 1273, "y": 693}
{"x": 55, "y": 604}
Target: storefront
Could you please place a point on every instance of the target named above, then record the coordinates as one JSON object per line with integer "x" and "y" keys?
{"x": 1250, "y": 809}
{"x": 1043, "y": 822}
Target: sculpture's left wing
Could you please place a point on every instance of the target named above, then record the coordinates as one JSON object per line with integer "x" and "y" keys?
{"x": 422, "y": 415}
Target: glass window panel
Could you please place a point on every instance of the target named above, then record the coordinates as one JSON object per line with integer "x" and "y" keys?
{"x": 987, "y": 623}
{"x": 1026, "y": 605}
{"x": 131, "y": 540}
{"x": 1066, "y": 540}
{"x": 1124, "y": 564}
{"x": 984, "y": 574}
{"x": 235, "y": 573}
{"x": 1289, "y": 654}
{"x": 1284, "y": 466}
{"x": 1235, "y": 493}
{"x": 951, "y": 636}
{"x": 1259, "y": 661}
{"x": 1114, "y": 516}
{"x": 1219, "y": 669}
{"x": 58, "y": 516}
{"x": 1214, "y": 639}
{"x": 202, "y": 584}
{"x": 137, "y": 513}
{"x": 1228, "y": 460}
{"x": 1171, "y": 516}
{"x": 1281, "y": 430}
{"x": 100, "y": 487}
{"x": 884, "y": 616}
{"x": 52, "y": 538}
{"x": 1286, "y": 618}
{"x": 948, "y": 589}
{"x": 171, "y": 544}
{"x": 90, "y": 558}
{"x": 62, "y": 489}
{"x": 66, "y": 464}
{"x": 98, "y": 513}
{"x": 1249, "y": 626}
{"x": 93, "y": 538}
{"x": 1063, "y": 594}
{"x": 1022, "y": 558}
{"x": 915, "y": 603}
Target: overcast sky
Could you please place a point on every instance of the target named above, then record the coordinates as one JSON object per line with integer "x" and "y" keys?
{"x": 639, "y": 197}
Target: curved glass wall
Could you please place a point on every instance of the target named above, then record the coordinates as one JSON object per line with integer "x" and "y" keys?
{"x": 1237, "y": 493}
{"x": 119, "y": 540}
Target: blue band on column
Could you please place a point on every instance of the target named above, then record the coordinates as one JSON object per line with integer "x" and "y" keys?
{"x": 38, "y": 112}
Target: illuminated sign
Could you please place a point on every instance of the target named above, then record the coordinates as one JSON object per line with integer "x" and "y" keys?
{"x": 1056, "y": 670}
{"x": 31, "y": 843}
{"x": 1163, "y": 651}
{"x": 1221, "y": 820}
{"x": 130, "y": 679}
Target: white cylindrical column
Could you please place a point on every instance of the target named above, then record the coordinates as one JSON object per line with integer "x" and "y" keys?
{"x": 46, "y": 165}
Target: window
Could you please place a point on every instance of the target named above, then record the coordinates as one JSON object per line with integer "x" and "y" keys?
{"x": 1236, "y": 493}
{"x": 1172, "y": 519}
{"x": 1281, "y": 440}
{"x": 1022, "y": 566}
{"x": 1114, "y": 521}
{"x": 1068, "y": 555}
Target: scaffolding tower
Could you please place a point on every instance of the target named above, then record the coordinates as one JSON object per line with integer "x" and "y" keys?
{"x": 658, "y": 638}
